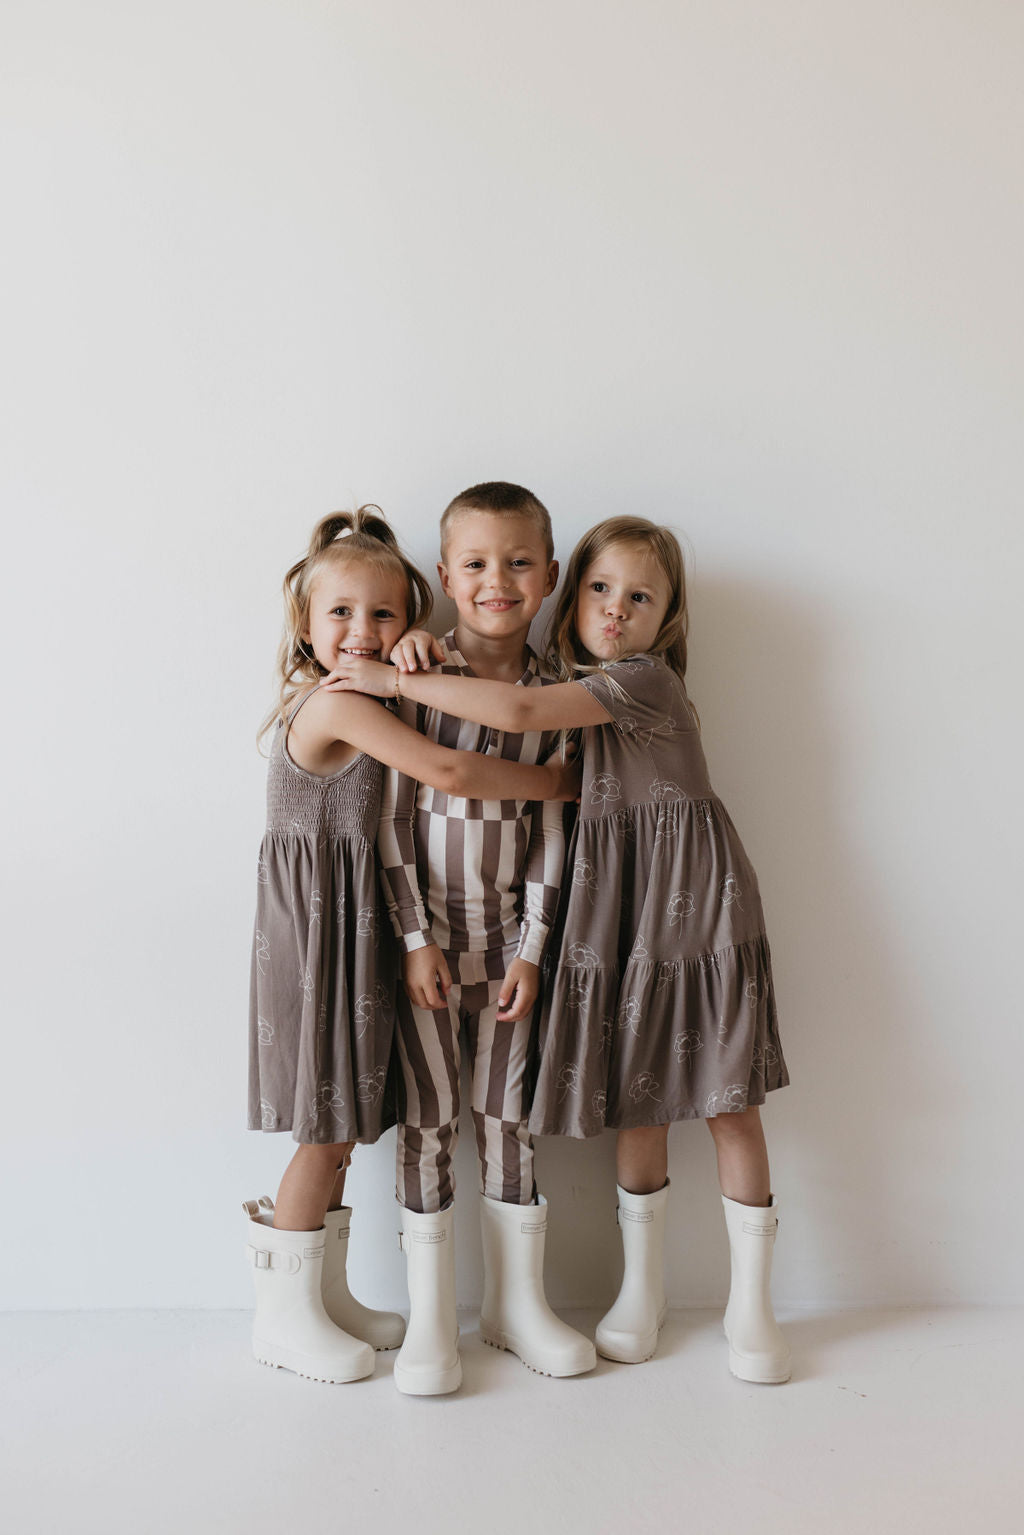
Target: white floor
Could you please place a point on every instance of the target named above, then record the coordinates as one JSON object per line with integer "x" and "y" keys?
{"x": 147, "y": 1422}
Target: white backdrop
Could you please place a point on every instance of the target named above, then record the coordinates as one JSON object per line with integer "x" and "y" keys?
{"x": 749, "y": 268}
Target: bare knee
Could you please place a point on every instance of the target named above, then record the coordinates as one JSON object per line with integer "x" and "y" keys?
{"x": 735, "y": 1128}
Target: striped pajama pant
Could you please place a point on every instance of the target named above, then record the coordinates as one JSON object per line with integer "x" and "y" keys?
{"x": 429, "y": 1050}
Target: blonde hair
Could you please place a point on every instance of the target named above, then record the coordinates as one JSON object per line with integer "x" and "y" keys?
{"x": 565, "y": 649}
{"x": 500, "y": 499}
{"x": 337, "y": 539}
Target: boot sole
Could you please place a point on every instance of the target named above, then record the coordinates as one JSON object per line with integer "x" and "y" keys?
{"x": 439, "y": 1383}
{"x": 509, "y": 1345}
{"x": 284, "y": 1359}
{"x": 746, "y": 1368}
{"x": 648, "y": 1343}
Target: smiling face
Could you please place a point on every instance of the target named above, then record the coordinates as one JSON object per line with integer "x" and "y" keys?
{"x": 496, "y": 571}
{"x": 622, "y": 601}
{"x": 356, "y": 609}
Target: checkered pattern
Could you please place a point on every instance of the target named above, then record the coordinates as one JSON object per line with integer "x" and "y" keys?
{"x": 471, "y": 875}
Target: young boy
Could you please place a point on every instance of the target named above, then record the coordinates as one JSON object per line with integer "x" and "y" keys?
{"x": 472, "y": 887}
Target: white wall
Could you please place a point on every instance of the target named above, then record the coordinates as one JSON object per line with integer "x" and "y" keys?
{"x": 753, "y": 269}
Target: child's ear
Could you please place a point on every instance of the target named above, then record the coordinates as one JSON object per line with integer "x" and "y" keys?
{"x": 552, "y": 578}
{"x": 442, "y": 575}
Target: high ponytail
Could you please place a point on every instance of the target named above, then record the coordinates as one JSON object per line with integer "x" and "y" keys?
{"x": 364, "y": 534}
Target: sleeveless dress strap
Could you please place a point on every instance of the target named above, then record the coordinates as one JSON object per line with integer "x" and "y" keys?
{"x": 298, "y": 706}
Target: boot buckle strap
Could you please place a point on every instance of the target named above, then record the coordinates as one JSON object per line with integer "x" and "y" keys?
{"x": 263, "y": 1258}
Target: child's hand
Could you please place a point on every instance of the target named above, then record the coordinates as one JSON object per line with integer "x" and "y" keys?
{"x": 415, "y": 650}
{"x": 354, "y": 674}
{"x": 566, "y": 778}
{"x": 427, "y": 977}
{"x": 518, "y": 991}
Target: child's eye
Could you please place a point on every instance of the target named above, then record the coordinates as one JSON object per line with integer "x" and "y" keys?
{"x": 384, "y": 614}
{"x": 340, "y": 612}
{"x": 522, "y": 562}
{"x": 473, "y": 564}
{"x": 640, "y": 597}
{"x": 598, "y": 586}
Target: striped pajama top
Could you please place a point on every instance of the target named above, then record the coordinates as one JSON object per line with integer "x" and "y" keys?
{"x": 471, "y": 875}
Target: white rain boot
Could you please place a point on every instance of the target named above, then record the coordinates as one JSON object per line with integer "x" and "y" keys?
{"x": 515, "y": 1314}
{"x": 380, "y": 1329}
{"x": 291, "y": 1330}
{"x": 429, "y": 1363}
{"x": 629, "y": 1331}
{"x": 757, "y": 1349}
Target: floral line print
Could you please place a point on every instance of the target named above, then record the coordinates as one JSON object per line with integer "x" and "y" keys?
{"x": 663, "y": 789}
{"x": 599, "y": 1103}
{"x": 370, "y": 1086}
{"x": 605, "y": 787}
{"x": 264, "y": 1031}
{"x": 629, "y": 725}
{"x": 328, "y": 1096}
{"x": 607, "y": 1035}
{"x": 315, "y": 906}
{"x": 585, "y": 875}
{"x": 582, "y": 954}
{"x": 568, "y": 1081}
{"x": 262, "y": 871}
{"x": 578, "y": 991}
{"x": 752, "y": 991}
{"x": 730, "y": 892}
{"x": 367, "y": 1007}
{"x": 629, "y": 1015}
{"x": 731, "y": 1100}
{"x": 765, "y": 1059}
{"x": 306, "y": 984}
{"x": 268, "y": 1115}
{"x": 680, "y": 905}
{"x": 667, "y": 972}
{"x": 642, "y": 1087}
{"x": 686, "y": 1045}
{"x": 639, "y": 949}
{"x": 262, "y": 952}
{"x": 365, "y": 922}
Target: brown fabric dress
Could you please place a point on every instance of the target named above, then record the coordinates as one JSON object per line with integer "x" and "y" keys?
{"x": 658, "y": 1003}
{"x": 321, "y": 1013}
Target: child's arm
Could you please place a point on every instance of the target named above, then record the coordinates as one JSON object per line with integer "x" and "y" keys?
{"x": 362, "y": 723}
{"x": 424, "y": 970}
{"x": 501, "y": 705}
{"x": 542, "y": 878}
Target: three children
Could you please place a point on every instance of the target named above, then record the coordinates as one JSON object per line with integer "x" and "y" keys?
{"x": 658, "y": 1001}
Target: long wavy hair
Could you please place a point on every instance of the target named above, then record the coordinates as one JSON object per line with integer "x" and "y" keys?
{"x": 566, "y": 653}
{"x": 341, "y": 537}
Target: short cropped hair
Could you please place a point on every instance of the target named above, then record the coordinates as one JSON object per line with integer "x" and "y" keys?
{"x": 500, "y": 499}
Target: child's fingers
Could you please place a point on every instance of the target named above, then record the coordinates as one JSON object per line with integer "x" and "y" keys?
{"x": 428, "y": 651}
{"x": 404, "y": 655}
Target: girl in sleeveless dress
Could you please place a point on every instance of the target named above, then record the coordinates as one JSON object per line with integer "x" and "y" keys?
{"x": 659, "y": 1003}
{"x": 323, "y": 973}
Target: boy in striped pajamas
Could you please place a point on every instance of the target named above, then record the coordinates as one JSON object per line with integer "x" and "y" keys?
{"x": 472, "y": 887}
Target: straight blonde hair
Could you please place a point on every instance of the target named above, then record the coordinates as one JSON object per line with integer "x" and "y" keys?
{"x": 566, "y": 653}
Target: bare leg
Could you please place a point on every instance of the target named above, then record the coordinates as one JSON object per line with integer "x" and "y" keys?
{"x": 307, "y": 1186}
{"x": 641, "y": 1159}
{"x": 337, "y": 1198}
{"x": 742, "y": 1158}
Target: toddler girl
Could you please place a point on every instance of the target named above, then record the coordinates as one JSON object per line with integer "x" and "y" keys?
{"x": 321, "y": 1014}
